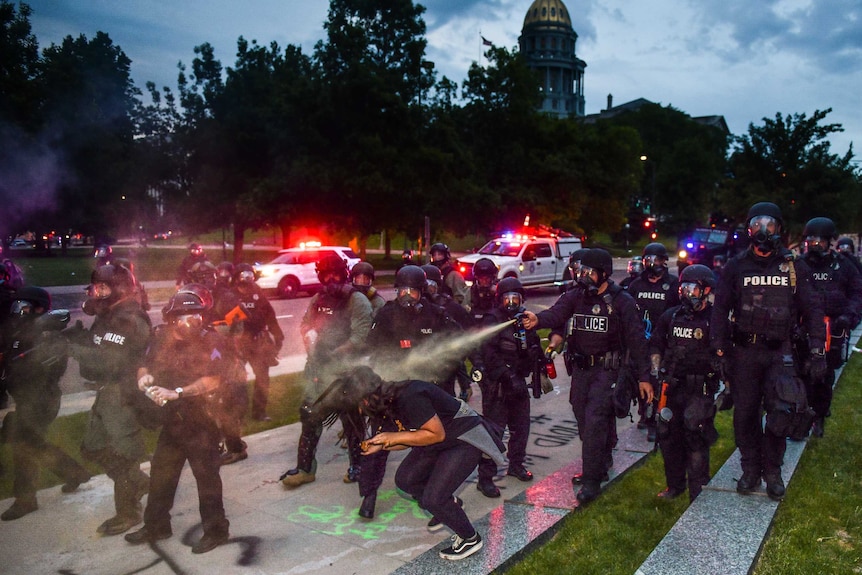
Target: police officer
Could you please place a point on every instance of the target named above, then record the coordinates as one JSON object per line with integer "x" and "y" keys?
{"x": 607, "y": 329}
{"x": 453, "y": 281}
{"x": 362, "y": 278}
{"x": 261, "y": 336}
{"x": 334, "y": 329}
{"x": 184, "y": 364}
{"x": 396, "y": 341}
{"x": 840, "y": 286}
{"x": 765, "y": 292}
{"x": 196, "y": 255}
{"x": 33, "y": 361}
{"x": 845, "y": 247}
{"x": 109, "y": 354}
{"x": 634, "y": 269}
{"x": 655, "y": 290}
{"x": 483, "y": 293}
{"x": 572, "y": 266}
{"x": 508, "y": 357}
{"x": 688, "y": 384}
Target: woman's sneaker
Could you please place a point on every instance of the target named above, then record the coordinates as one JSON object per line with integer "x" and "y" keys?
{"x": 462, "y": 548}
{"x": 435, "y": 524}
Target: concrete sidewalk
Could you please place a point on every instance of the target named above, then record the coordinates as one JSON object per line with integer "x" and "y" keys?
{"x": 314, "y": 529}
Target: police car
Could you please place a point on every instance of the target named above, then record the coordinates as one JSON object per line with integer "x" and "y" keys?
{"x": 294, "y": 270}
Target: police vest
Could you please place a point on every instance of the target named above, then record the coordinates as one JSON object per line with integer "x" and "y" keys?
{"x": 765, "y": 297}
{"x": 831, "y": 281}
{"x": 596, "y": 326}
{"x": 688, "y": 342}
{"x": 328, "y": 315}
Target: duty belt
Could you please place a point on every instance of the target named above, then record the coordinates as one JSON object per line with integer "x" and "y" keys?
{"x": 607, "y": 360}
{"x": 745, "y": 338}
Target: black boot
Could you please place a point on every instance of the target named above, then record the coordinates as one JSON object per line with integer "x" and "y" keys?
{"x": 306, "y": 466}
{"x": 366, "y": 510}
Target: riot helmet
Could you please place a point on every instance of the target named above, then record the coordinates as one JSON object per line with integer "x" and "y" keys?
{"x": 108, "y": 284}
{"x": 433, "y": 278}
{"x": 196, "y": 250}
{"x": 596, "y": 267}
{"x": 817, "y": 235}
{"x": 575, "y": 261}
{"x": 846, "y": 246}
{"x": 103, "y": 252}
{"x": 696, "y": 282}
{"x": 186, "y": 309}
{"x": 764, "y": 226}
{"x": 224, "y": 273}
{"x": 203, "y": 273}
{"x": 407, "y": 257}
{"x": 410, "y": 282}
{"x": 243, "y": 275}
{"x": 635, "y": 266}
{"x": 29, "y": 301}
{"x": 332, "y": 273}
{"x": 439, "y": 254}
{"x": 510, "y": 295}
{"x": 655, "y": 258}
{"x": 362, "y": 276}
{"x": 485, "y": 272}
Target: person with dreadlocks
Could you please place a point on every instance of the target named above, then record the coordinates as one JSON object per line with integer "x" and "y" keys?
{"x": 446, "y": 435}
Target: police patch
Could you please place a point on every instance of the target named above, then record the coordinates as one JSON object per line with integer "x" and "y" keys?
{"x": 255, "y": 297}
{"x": 698, "y": 333}
{"x": 665, "y": 286}
{"x": 596, "y": 309}
{"x": 591, "y": 323}
{"x": 783, "y": 267}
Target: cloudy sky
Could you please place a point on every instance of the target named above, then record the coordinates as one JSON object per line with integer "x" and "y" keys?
{"x": 742, "y": 59}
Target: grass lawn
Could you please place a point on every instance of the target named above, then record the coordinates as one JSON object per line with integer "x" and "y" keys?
{"x": 818, "y": 527}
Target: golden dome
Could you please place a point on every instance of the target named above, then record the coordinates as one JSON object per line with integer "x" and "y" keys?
{"x": 548, "y": 12}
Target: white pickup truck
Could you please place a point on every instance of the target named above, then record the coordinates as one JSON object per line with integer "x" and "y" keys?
{"x": 538, "y": 261}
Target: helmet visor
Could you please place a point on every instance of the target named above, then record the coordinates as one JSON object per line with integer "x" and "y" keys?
{"x": 765, "y": 224}
{"x": 246, "y": 276}
{"x": 431, "y": 286}
{"x": 816, "y": 244}
{"x": 512, "y": 300}
{"x": 190, "y": 322}
{"x": 99, "y": 290}
{"x": 845, "y": 248}
{"x": 21, "y": 307}
{"x": 652, "y": 261}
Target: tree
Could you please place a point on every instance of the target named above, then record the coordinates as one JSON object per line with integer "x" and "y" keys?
{"x": 788, "y": 161}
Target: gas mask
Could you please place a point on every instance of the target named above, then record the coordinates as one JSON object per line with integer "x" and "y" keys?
{"x": 99, "y": 300}
{"x": 764, "y": 233}
{"x": 409, "y": 298}
{"x": 362, "y": 283}
{"x": 589, "y": 279}
{"x": 816, "y": 247}
{"x": 188, "y": 325}
{"x": 655, "y": 265}
{"x": 692, "y": 295}
{"x": 511, "y": 303}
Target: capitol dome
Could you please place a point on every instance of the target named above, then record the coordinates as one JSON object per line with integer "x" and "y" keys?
{"x": 548, "y": 42}
{"x": 548, "y": 13}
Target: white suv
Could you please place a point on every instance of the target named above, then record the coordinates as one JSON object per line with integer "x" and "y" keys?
{"x": 293, "y": 270}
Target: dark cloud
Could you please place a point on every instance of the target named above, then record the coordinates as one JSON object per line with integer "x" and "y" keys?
{"x": 823, "y": 34}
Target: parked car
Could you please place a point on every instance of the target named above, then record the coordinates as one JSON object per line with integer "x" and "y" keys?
{"x": 294, "y": 270}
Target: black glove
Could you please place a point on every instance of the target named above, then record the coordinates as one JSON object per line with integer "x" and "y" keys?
{"x": 719, "y": 365}
{"x": 816, "y": 367}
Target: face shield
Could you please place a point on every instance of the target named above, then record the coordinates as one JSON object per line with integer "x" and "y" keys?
{"x": 485, "y": 282}
{"x": 408, "y": 297}
{"x": 588, "y": 278}
{"x": 196, "y": 251}
{"x": 362, "y": 282}
{"x": 816, "y": 246}
{"x": 655, "y": 264}
{"x": 21, "y": 308}
{"x": 691, "y": 295}
{"x": 438, "y": 257}
{"x": 223, "y": 277}
{"x": 845, "y": 249}
{"x": 511, "y": 302}
{"x": 635, "y": 267}
{"x": 188, "y": 325}
{"x": 763, "y": 231}
{"x": 99, "y": 291}
{"x": 431, "y": 287}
